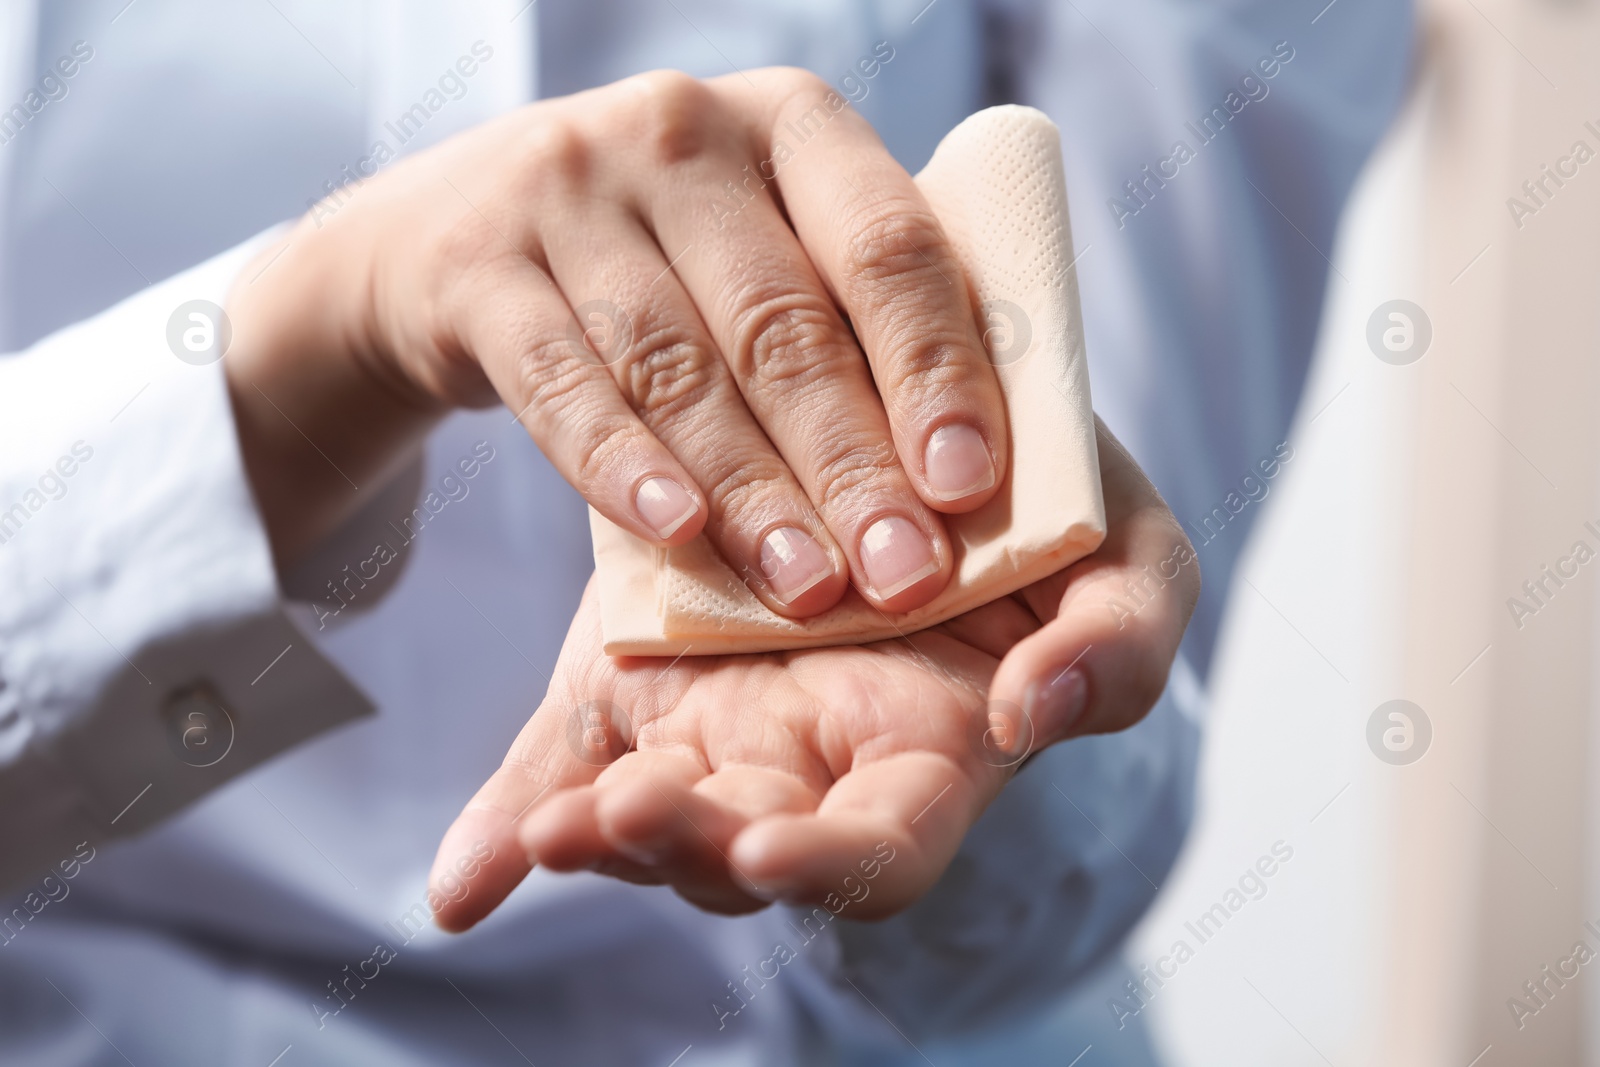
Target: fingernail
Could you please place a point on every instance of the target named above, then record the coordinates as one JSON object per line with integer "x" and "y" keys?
{"x": 1056, "y": 704}
{"x": 957, "y": 462}
{"x": 772, "y": 893}
{"x": 649, "y": 853}
{"x": 896, "y": 556}
{"x": 664, "y": 505}
{"x": 793, "y": 563}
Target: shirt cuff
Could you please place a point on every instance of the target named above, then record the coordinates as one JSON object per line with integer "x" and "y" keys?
{"x": 145, "y": 657}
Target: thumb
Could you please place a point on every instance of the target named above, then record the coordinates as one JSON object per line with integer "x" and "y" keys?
{"x": 1112, "y": 621}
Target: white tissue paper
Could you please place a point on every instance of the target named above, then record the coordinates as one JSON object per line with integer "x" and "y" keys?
{"x": 996, "y": 184}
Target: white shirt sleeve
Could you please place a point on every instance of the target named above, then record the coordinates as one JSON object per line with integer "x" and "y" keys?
{"x": 145, "y": 658}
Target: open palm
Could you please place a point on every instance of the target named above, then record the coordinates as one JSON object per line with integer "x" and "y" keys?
{"x": 740, "y": 780}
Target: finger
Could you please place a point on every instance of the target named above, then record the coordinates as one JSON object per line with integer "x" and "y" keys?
{"x": 564, "y": 833}
{"x": 561, "y": 835}
{"x": 805, "y": 380}
{"x": 1113, "y": 621}
{"x": 670, "y": 372}
{"x": 481, "y": 848}
{"x": 478, "y": 864}
{"x": 882, "y": 835}
{"x": 891, "y": 266}
{"x": 521, "y": 331}
{"x": 549, "y": 758}
{"x": 639, "y": 777}
{"x": 682, "y": 838}
{"x": 996, "y": 627}
{"x": 666, "y": 813}
{"x": 566, "y": 745}
{"x": 753, "y": 792}
{"x": 533, "y": 775}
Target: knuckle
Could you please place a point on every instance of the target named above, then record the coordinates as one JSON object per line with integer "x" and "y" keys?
{"x": 748, "y": 488}
{"x": 797, "y": 87}
{"x": 600, "y": 328}
{"x": 552, "y": 154}
{"x": 463, "y": 271}
{"x": 800, "y": 100}
{"x": 782, "y": 341}
{"x": 795, "y": 79}
{"x": 466, "y": 259}
{"x": 893, "y": 240}
{"x": 668, "y": 110}
{"x": 854, "y": 465}
{"x": 547, "y": 374}
{"x": 601, "y": 445}
{"x": 930, "y": 366}
{"x": 669, "y": 375}
{"x": 457, "y": 249}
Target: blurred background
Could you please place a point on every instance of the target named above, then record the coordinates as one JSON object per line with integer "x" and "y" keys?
{"x": 1437, "y": 870}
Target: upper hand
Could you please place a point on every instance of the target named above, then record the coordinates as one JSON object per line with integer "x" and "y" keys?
{"x": 739, "y": 780}
{"x": 704, "y": 322}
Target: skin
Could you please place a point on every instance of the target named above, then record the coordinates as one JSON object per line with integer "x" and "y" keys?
{"x": 787, "y": 366}
{"x": 772, "y": 777}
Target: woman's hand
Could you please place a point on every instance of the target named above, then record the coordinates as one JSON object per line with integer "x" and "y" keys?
{"x": 716, "y": 305}
{"x": 739, "y": 780}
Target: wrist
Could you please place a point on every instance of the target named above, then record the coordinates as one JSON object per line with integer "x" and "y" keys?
{"x": 323, "y": 419}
